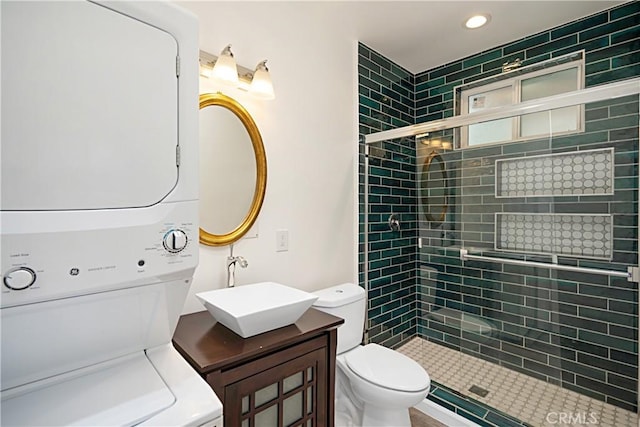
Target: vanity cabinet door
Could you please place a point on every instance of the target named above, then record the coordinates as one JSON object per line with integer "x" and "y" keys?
{"x": 293, "y": 393}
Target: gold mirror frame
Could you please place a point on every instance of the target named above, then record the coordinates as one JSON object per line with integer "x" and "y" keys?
{"x": 218, "y": 99}
{"x": 434, "y": 155}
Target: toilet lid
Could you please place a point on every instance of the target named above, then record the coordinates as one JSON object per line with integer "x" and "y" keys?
{"x": 387, "y": 368}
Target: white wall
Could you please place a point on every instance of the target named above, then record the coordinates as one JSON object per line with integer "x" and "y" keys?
{"x": 310, "y": 136}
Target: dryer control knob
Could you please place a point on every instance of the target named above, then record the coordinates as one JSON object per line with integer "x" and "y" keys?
{"x": 19, "y": 278}
{"x": 175, "y": 240}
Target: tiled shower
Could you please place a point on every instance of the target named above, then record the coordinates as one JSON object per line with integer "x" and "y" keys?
{"x": 574, "y": 331}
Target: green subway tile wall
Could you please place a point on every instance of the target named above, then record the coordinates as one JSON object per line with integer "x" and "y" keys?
{"x": 576, "y": 330}
{"x": 611, "y": 41}
{"x": 386, "y": 102}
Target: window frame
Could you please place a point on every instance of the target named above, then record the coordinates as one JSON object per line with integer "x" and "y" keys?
{"x": 515, "y": 82}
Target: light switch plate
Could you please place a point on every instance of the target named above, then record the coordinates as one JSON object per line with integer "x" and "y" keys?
{"x": 282, "y": 240}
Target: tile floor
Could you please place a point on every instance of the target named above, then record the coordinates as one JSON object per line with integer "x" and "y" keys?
{"x": 418, "y": 419}
{"x": 530, "y": 400}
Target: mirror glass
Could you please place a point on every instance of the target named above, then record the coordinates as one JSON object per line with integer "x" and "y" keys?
{"x": 433, "y": 187}
{"x": 227, "y": 170}
{"x": 232, "y": 170}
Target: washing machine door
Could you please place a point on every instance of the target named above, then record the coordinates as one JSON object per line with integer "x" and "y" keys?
{"x": 89, "y": 108}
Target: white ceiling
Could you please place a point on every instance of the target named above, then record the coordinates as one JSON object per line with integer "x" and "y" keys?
{"x": 420, "y": 35}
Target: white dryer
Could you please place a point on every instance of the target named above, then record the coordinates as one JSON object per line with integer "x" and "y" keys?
{"x": 99, "y": 214}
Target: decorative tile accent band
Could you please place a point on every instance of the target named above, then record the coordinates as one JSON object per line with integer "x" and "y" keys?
{"x": 582, "y": 236}
{"x": 579, "y": 173}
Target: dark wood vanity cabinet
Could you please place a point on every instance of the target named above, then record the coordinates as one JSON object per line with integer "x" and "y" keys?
{"x": 284, "y": 377}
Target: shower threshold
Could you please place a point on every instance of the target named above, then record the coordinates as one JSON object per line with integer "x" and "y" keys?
{"x": 528, "y": 399}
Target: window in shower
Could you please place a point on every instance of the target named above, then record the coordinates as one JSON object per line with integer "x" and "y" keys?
{"x": 526, "y": 85}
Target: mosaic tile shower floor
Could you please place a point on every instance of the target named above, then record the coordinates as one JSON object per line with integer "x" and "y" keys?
{"x": 523, "y": 397}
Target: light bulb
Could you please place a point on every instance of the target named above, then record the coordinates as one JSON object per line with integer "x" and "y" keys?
{"x": 225, "y": 68}
{"x": 261, "y": 85}
{"x": 477, "y": 21}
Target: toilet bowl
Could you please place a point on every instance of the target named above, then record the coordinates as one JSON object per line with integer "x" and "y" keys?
{"x": 386, "y": 382}
{"x": 375, "y": 386}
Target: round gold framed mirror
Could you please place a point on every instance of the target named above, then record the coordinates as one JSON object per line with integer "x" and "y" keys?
{"x": 434, "y": 191}
{"x": 233, "y": 170}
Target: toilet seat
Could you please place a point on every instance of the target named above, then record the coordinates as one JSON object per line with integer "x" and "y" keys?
{"x": 387, "y": 368}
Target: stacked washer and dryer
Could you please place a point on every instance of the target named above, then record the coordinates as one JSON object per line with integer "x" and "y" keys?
{"x": 99, "y": 221}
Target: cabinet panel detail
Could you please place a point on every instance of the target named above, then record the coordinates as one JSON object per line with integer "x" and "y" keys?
{"x": 293, "y": 403}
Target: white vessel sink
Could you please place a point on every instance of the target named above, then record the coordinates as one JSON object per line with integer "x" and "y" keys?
{"x": 250, "y": 310}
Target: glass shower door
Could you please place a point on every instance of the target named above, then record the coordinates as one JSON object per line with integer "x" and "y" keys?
{"x": 539, "y": 321}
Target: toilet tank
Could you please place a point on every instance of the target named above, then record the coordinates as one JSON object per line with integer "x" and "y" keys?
{"x": 348, "y": 302}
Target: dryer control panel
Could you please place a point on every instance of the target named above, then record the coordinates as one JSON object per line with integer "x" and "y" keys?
{"x": 19, "y": 278}
{"x": 42, "y": 266}
{"x": 175, "y": 240}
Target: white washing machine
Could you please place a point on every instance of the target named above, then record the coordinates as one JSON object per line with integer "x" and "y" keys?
{"x": 99, "y": 221}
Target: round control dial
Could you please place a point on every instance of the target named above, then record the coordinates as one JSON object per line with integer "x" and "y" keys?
{"x": 175, "y": 240}
{"x": 19, "y": 278}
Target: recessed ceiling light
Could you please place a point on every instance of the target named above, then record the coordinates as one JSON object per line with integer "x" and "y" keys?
{"x": 477, "y": 21}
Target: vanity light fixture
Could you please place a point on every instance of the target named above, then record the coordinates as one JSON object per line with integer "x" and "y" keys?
{"x": 434, "y": 142}
{"x": 477, "y": 21}
{"x": 224, "y": 68}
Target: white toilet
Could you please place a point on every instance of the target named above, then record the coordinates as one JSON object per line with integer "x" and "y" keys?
{"x": 375, "y": 386}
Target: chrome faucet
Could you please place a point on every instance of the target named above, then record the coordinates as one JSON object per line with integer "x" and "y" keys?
{"x": 231, "y": 267}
